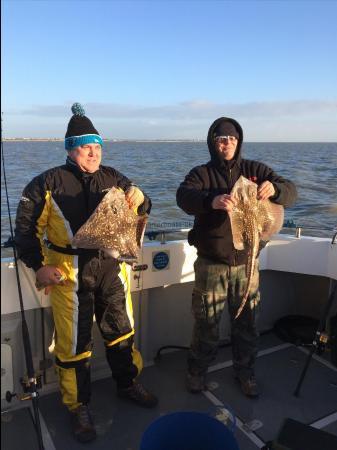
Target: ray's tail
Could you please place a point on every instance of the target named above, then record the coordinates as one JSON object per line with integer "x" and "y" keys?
{"x": 250, "y": 273}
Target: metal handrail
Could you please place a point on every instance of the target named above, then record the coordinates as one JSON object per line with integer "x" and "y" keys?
{"x": 152, "y": 235}
{"x": 334, "y": 238}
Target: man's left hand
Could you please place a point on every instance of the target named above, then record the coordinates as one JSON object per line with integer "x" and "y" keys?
{"x": 265, "y": 190}
{"x": 134, "y": 196}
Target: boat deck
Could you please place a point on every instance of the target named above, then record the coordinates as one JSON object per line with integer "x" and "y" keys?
{"x": 120, "y": 424}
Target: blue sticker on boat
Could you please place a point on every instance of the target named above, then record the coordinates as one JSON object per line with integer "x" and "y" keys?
{"x": 160, "y": 260}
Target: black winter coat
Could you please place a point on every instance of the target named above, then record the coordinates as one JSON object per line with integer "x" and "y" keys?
{"x": 211, "y": 233}
{"x": 58, "y": 202}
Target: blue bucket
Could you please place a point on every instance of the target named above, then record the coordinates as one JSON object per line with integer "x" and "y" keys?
{"x": 188, "y": 431}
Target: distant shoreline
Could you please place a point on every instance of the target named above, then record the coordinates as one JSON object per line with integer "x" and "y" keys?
{"x": 163, "y": 141}
{"x": 104, "y": 140}
{"x": 32, "y": 139}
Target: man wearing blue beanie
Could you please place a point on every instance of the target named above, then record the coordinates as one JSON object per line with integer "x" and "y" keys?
{"x": 81, "y": 282}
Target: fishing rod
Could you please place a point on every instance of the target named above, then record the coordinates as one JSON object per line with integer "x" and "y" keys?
{"x": 30, "y": 383}
{"x": 320, "y": 339}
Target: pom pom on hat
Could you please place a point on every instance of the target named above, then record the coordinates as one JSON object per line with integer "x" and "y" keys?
{"x": 77, "y": 109}
{"x": 80, "y": 129}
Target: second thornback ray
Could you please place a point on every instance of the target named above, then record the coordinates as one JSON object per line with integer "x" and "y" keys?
{"x": 252, "y": 221}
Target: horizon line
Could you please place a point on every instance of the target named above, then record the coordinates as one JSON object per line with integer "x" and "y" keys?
{"x": 37, "y": 139}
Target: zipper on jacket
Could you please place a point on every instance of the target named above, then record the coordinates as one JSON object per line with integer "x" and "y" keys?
{"x": 230, "y": 179}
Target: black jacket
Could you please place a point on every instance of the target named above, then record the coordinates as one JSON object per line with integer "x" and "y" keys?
{"x": 211, "y": 233}
{"x": 57, "y": 203}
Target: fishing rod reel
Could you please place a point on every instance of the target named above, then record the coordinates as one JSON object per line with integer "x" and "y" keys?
{"x": 320, "y": 342}
{"x": 29, "y": 386}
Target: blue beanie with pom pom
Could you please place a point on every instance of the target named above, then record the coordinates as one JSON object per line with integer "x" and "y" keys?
{"x": 80, "y": 129}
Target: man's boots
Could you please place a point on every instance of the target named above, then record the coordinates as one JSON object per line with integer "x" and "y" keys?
{"x": 82, "y": 424}
{"x": 138, "y": 394}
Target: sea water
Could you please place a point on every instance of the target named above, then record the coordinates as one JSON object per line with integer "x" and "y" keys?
{"x": 159, "y": 167}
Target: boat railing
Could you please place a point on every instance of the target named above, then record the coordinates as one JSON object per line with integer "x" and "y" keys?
{"x": 161, "y": 234}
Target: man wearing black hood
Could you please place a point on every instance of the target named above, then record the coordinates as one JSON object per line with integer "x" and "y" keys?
{"x": 220, "y": 269}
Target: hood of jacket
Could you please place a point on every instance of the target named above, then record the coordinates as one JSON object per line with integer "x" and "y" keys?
{"x": 216, "y": 158}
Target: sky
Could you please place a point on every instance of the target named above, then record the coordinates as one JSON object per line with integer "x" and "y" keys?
{"x": 168, "y": 69}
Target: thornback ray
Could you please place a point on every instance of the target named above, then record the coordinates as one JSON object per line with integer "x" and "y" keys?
{"x": 113, "y": 227}
{"x": 252, "y": 221}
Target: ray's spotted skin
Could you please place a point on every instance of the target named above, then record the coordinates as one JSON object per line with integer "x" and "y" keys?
{"x": 252, "y": 220}
{"x": 113, "y": 227}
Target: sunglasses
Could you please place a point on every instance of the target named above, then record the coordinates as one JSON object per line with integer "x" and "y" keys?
{"x": 224, "y": 139}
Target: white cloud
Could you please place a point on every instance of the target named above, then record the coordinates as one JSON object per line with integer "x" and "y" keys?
{"x": 194, "y": 108}
{"x": 299, "y": 120}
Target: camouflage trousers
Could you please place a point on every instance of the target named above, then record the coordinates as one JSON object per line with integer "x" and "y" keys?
{"x": 216, "y": 285}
